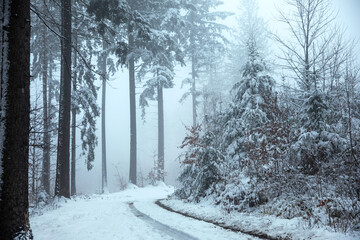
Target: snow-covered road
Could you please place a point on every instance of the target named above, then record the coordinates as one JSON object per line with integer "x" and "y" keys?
{"x": 112, "y": 216}
{"x": 174, "y": 233}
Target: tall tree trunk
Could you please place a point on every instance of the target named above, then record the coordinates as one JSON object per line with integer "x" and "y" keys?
{"x": 132, "y": 175}
{"x": 32, "y": 159}
{"x": 62, "y": 185}
{"x": 103, "y": 130}
{"x": 193, "y": 73}
{"x": 46, "y": 149}
{"x": 73, "y": 125}
{"x": 193, "y": 89}
{"x": 50, "y": 106}
{"x": 14, "y": 118}
{"x": 161, "y": 159}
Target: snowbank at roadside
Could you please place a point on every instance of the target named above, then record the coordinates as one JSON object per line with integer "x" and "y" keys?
{"x": 270, "y": 225}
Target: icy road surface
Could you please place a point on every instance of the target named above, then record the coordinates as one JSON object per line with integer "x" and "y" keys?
{"x": 113, "y": 216}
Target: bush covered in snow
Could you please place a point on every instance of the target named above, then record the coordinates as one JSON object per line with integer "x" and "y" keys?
{"x": 202, "y": 165}
{"x": 289, "y": 154}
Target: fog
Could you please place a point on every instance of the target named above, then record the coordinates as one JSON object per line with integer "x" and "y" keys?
{"x": 176, "y": 115}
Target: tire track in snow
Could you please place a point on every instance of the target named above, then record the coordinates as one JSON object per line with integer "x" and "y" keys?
{"x": 176, "y": 234}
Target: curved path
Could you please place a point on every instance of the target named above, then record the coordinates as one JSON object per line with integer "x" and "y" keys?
{"x": 194, "y": 228}
{"x": 111, "y": 217}
{"x": 176, "y": 234}
{"x": 219, "y": 224}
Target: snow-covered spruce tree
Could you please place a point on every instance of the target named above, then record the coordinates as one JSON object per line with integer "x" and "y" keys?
{"x": 253, "y": 87}
{"x": 317, "y": 141}
{"x": 247, "y": 115}
{"x": 253, "y": 94}
{"x": 201, "y": 165}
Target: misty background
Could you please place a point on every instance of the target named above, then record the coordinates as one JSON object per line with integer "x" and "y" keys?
{"x": 177, "y": 115}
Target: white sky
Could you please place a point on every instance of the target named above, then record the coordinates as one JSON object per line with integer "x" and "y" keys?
{"x": 348, "y": 11}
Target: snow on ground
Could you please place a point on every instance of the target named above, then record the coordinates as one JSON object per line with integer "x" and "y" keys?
{"x": 271, "y": 225}
{"x": 99, "y": 217}
{"x": 109, "y": 217}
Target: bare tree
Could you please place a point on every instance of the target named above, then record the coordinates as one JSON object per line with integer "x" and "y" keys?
{"x": 310, "y": 25}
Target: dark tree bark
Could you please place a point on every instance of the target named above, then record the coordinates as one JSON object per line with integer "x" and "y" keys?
{"x": 132, "y": 175}
{"x": 15, "y": 120}
{"x": 62, "y": 184}
{"x": 161, "y": 159}
{"x": 73, "y": 148}
{"x": 46, "y": 150}
{"x": 103, "y": 130}
{"x": 73, "y": 126}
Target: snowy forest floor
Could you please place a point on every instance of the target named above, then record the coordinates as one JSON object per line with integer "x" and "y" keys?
{"x": 133, "y": 214}
{"x": 112, "y": 217}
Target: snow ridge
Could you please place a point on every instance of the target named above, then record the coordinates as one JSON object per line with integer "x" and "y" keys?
{"x": 265, "y": 226}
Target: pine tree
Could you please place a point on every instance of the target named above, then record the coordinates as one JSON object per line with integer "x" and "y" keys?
{"x": 248, "y": 111}
{"x": 135, "y": 17}
{"x": 164, "y": 51}
{"x": 243, "y": 138}
{"x": 203, "y": 34}
{"x": 84, "y": 92}
{"x": 62, "y": 184}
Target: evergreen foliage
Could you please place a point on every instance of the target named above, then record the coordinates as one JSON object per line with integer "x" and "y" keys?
{"x": 292, "y": 150}
{"x": 202, "y": 164}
